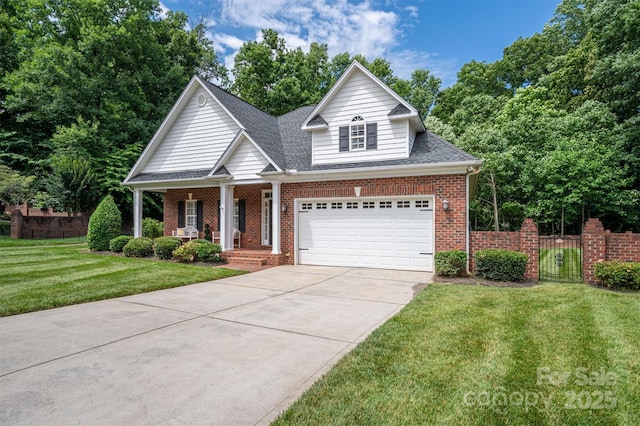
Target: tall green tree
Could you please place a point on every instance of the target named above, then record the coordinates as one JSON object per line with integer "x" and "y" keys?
{"x": 108, "y": 68}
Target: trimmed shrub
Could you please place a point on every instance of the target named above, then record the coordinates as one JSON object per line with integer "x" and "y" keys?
{"x": 618, "y": 275}
{"x": 186, "y": 253}
{"x": 163, "y": 247}
{"x": 209, "y": 252}
{"x": 138, "y": 247}
{"x": 104, "y": 225}
{"x": 207, "y": 232}
{"x": 451, "y": 263}
{"x": 117, "y": 244}
{"x": 194, "y": 250}
{"x": 152, "y": 228}
{"x": 501, "y": 265}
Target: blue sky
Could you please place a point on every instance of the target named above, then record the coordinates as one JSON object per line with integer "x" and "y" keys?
{"x": 438, "y": 35}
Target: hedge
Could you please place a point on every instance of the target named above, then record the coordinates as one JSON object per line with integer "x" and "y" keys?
{"x": 618, "y": 275}
{"x": 501, "y": 265}
{"x": 104, "y": 225}
{"x": 451, "y": 263}
{"x": 138, "y": 247}
{"x": 152, "y": 228}
{"x": 163, "y": 247}
{"x": 202, "y": 250}
{"x": 117, "y": 244}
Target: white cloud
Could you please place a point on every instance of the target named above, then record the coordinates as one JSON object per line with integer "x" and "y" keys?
{"x": 344, "y": 26}
{"x": 222, "y": 42}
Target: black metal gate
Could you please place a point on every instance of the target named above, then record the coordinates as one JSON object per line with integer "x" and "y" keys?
{"x": 560, "y": 258}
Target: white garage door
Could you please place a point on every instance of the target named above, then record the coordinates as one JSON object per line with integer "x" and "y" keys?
{"x": 381, "y": 233}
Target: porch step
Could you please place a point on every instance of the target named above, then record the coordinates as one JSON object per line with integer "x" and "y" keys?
{"x": 242, "y": 260}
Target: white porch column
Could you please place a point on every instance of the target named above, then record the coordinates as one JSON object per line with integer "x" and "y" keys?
{"x": 137, "y": 212}
{"x": 226, "y": 217}
{"x": 275, "y": 218}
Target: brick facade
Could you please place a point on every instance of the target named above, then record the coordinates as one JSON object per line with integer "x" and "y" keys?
{"x": 601, "y": 245}
{"x": 449, "y": 225}
{"x": 37, "y": 227}
{"x": 526, "y": 241}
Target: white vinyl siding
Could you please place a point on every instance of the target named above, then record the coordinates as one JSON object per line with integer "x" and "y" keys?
{"x": 246, "y": 161}
{"x": 360, "y": 96}
{"x": 196, "y": 139}
{"x": 412, "y": 137}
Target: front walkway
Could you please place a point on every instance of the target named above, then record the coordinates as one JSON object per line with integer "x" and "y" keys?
{"x": 230, "y": 352}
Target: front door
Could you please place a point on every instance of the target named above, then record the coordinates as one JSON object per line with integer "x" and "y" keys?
{"x": 266, "y": 218}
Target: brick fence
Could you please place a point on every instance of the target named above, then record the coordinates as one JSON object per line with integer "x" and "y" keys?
{"x": 40, "y": 227}
{"x": 526, "y": 241}
{"x": 600, "y": 245}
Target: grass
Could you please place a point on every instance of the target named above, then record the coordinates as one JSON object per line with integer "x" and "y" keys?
{"x": 39, "y": 274}
{"x": 569, "y": 271}
{"x": 473, "y": 355}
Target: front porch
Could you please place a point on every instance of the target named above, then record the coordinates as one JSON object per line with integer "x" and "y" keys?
{"x": 253, "y": 257}
{"x": 238, "y": 217}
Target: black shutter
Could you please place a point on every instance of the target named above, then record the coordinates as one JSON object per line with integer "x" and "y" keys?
{"x": 344, "y": 138}
{"x": 372, "y": 135}
{"x": 242, "y": 214}
{"x": 219, "y": 217}
{"x": 199, "y": 220}
{"x": 181, "y": 213}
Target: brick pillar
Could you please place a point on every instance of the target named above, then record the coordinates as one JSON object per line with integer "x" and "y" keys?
{"x": 529, "y": 244}
{"x": 16, "y": 224}
{"x": 594, "y": 246}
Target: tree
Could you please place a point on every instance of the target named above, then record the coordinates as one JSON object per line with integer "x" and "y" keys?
{"x": 104, "y": 72}
{"x": 277, "y": 79}
{"x": 15, "y": 188}
{"x": 104, "y": 225}
{"x": 72, "y": 184}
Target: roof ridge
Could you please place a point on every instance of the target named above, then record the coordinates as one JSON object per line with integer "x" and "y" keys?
{"x": 238, "y": 98}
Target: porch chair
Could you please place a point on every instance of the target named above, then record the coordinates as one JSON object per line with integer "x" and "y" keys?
{"x": 215, "y": 237}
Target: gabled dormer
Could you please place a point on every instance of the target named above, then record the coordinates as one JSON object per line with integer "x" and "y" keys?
{"x": 361, "y": 120}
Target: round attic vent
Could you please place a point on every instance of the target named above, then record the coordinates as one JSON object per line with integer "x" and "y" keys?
{"x": 201, "y": 99}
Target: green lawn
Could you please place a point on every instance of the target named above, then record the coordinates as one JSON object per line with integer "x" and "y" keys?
{"x": 569, "y": 271}
{"x": 553, "y": 354}
{"x": 39, "y": 274}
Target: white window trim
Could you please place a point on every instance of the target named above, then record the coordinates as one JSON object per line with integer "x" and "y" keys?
{"x": 236, "y": 214}
{"x": 191, "y": 219}
{"x": 358, "y": 121}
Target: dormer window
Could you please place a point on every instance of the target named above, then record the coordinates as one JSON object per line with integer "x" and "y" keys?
{"x": 358, "y": 135}
{"x": 356, "y": 132}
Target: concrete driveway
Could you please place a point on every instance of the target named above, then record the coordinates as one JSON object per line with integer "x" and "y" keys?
{"x": 231, "y": 352}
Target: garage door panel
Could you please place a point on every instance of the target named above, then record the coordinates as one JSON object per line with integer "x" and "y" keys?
{"x": 393, "y": 236}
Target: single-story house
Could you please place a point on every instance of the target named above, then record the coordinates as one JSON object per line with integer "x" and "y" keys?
{"x": 355, "y": 180}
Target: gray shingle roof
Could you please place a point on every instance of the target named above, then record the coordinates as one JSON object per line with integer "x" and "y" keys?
{"x": 283, "y": 140}
{"x": 317, "y": 120}
{"x": 428, "y": 148}
{"x": 262, "y": 127}
{"x": 399, "y": 110}
{"x": 186, "y": 174}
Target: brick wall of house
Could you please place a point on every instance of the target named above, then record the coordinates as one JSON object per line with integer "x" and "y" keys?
{"x": 210, "y": 201}
{"x": 44, "y": 227}
{"x": 601, "y": 245}
{"x": 252, "y": 194}
{"x": 526, "y": 241}
{"x": 449, "y": 225}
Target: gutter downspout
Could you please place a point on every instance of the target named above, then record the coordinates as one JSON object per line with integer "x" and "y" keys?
{"x": 471, "y": 171}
